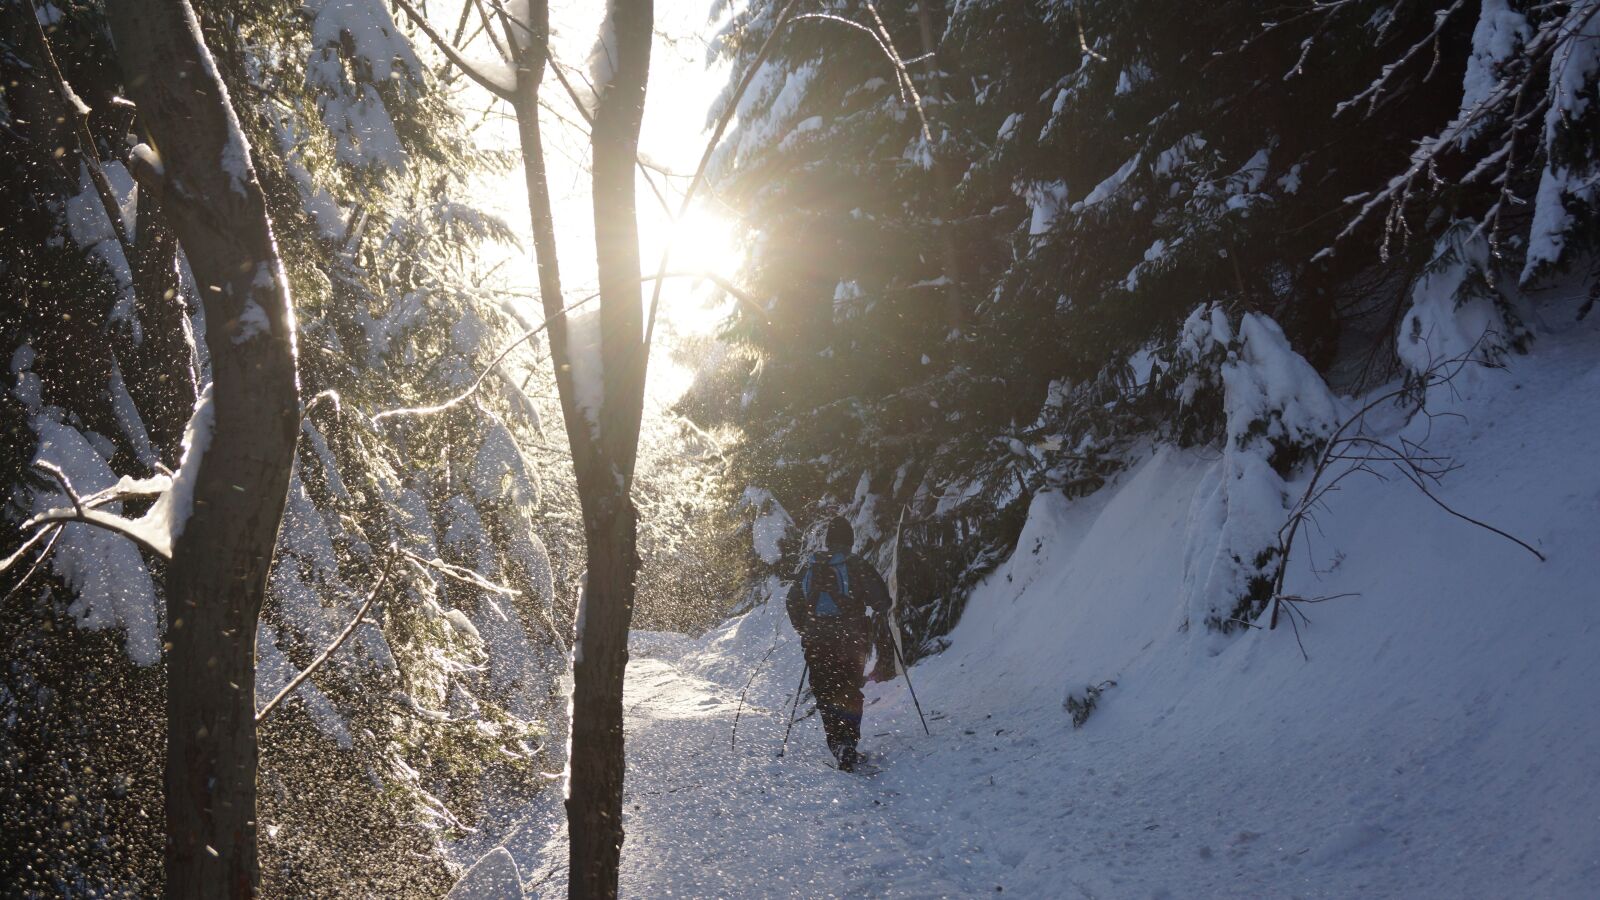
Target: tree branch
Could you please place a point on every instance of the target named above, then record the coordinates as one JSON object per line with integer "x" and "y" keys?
{"x": 452, "y": 54}
{"x": 78, "y": 115}
{"x": 54, "y": 534}
{"x": 36, "y": 537}
{"x": 337, "y": 642}
{"x": 82, "y": 511}
{"x": 483, "y": 376}
{"x": 459, "y": 573}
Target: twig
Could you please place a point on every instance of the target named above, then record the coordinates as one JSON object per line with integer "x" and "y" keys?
{"x": 899, "y": 80}
{"x": 1468, "y": 519}
{"x": 733, "y": 740}
{"x": 1083, "y": 43}
{"x": 22, "y": 551}
{"x": 505, "y": 54}
{"x": 1296, "y": 627}
{"x": 1374, "y": 91}
{"x": 329, "y": 395}
{"x": 55, "y": 472}
{"x": 461, "y": 23}
{"x": 337, "y": 642}
{"x": 54, "y": 534}
{"x": 905, "y": 73}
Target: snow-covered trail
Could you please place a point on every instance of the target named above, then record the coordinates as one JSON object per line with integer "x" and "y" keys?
{"x": 974, "y": 809}
{"x": 1440, "y": 741}
{"x": 706, "y": 820}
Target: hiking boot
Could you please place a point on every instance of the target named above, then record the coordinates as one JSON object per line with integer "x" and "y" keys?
{"x": 848, "y": 758}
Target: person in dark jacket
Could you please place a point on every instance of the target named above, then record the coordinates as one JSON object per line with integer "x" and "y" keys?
{"x": 839, "y": 606}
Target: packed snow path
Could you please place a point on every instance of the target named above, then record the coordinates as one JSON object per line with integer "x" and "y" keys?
{"x": 1440, "y": 741}
{"x": 954, "y": 815}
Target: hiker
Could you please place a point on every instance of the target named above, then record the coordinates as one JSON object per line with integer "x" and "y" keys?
{"x": 839, "y": 606}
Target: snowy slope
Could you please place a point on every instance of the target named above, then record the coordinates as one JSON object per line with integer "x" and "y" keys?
{"x": 1440, "y": 741}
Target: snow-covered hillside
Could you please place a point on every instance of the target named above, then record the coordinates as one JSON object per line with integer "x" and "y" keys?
{"x": 1440, "y": 740}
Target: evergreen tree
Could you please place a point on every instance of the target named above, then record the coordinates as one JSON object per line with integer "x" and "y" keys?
{"x": 1114, "y": 166}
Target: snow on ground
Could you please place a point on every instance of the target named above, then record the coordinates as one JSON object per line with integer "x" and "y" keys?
{"x": 1440, "y": 741}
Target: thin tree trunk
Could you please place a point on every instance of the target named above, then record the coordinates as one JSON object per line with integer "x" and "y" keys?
{"x": 605, "y": 446}
{"x": 594, "y": 799}
{"x": 615, "y": 142}
{"x": 218, "y": 575}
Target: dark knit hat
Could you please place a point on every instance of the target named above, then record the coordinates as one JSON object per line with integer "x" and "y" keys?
{"x": 841, "y": 537}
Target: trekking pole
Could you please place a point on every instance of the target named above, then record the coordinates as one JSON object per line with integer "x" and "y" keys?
{"x": 906, "y": 671}
{"x": 792, "y": 710}
{"x": 894, "y": 624}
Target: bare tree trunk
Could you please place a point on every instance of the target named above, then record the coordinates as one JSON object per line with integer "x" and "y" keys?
{"x": 594, "y": 798}
{"x": 604, "y": 447}
{"x": 218, "y": 575}
{"x": 602, "y": 458}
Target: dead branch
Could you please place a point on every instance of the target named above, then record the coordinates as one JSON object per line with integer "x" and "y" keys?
{"x": 1410, "y": 460}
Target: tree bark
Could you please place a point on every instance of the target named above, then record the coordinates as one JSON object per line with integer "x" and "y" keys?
{"x": 603, "y": 453}
{"x": 604, "y": 442}
{"x": 218, "y": 575}
{"x": 594, "y": 797}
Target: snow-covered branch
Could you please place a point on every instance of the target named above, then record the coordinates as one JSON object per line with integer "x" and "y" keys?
{"x": 490, "y": 83}
{"x": 1511, "y": 56}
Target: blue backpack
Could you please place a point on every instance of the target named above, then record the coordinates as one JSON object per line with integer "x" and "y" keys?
{"x": 826, "y": 581}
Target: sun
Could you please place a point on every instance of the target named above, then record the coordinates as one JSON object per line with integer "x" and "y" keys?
{"x": 702, "y": 243}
